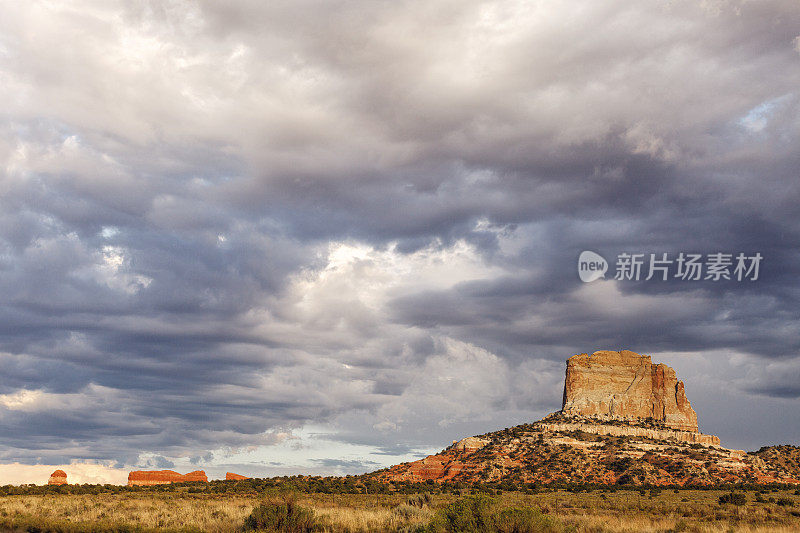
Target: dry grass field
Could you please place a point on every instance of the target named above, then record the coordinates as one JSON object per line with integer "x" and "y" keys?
{"x": 596, "y": 511}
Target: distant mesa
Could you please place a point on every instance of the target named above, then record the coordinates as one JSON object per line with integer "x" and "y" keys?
{"x": 626, "y": 386}
{"x": 230, "y": 476}
{"x": 59, "y": 477}
{"x": 162, "y": 477}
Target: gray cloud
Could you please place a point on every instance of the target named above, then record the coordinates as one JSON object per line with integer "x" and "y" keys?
{"x": 223, "y": 223}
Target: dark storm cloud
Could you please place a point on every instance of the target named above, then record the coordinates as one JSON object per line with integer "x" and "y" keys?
{"x": 175, "y": 179}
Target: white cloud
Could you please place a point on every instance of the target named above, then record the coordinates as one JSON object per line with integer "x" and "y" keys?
{"x": 77, "y": 473}
{"x": 20, "y": 400}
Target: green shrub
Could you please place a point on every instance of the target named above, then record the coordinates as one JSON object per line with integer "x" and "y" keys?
{"x": 474, "y": 514}
{"x": 283, "y": 517}
{"x": 471, "y": 514}
{"x": 736, "y": 498}
{"x": 516, "y": 520}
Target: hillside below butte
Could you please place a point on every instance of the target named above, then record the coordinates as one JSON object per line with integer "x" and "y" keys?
{"x": 624, "y": 420}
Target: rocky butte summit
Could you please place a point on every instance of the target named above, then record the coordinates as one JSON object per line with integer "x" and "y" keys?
{"x": 624, "y": 420}
{"x": 626, "y": 386}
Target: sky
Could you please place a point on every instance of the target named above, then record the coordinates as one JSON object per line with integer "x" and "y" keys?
{"x": 327, "y": 237}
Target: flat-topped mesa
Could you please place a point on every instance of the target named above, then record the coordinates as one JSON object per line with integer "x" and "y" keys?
{"x": 626, "y": 386}
{"x": 162, "y": 477}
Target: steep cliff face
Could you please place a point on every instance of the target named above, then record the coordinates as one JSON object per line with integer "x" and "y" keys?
{"x": 59, "y": 477}
{"x": 230, "y": 476}
{"x": 626, "y": 386}
{"x": 161, "y": 477}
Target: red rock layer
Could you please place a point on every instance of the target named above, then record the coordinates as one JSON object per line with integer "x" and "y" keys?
{"x": 59, "y": 477}
{"x": 161, "y": 477}
{"x": 230, "y": 476}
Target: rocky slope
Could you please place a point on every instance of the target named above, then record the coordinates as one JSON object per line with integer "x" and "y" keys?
{"x": 558, "y": 449}
{"x": 783, "y": 457}
{"x": 624, "y": 420}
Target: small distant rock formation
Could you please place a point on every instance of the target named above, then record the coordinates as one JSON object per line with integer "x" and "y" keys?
{"x": 626, "y": 386}
{"x": 162, "y": 477}
{"x": 59, "y": 477}
{"x": 230, "y": 476}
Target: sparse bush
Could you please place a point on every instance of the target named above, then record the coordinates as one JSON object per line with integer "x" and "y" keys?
{"x": 283, "y": 517}
{"x": 680, "y": 526}
{"x": 736, "y": 498}
{"x": 471, "y": 514}
{"x": 474, "y": 514}
{"x": 419, "y": 500}
{"x": 408, "y": 512}
{"x": 785, "y": 502}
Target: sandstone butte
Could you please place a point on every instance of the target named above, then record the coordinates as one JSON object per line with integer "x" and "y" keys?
{"x": 626, "y": 386}
{"x": 59, "y": 477}
{"x": 161, "y": 477}
{"x": 624, "y": 420}
{"x": 230, "y": 476}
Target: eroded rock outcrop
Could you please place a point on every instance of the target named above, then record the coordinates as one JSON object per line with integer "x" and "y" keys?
{"x": 161, "y": 477}
{"x": 230, "y": 476}
{"x": 59, "y": 477}
{"x": 469, "y": 444}
{"x": 626, "y": 386}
